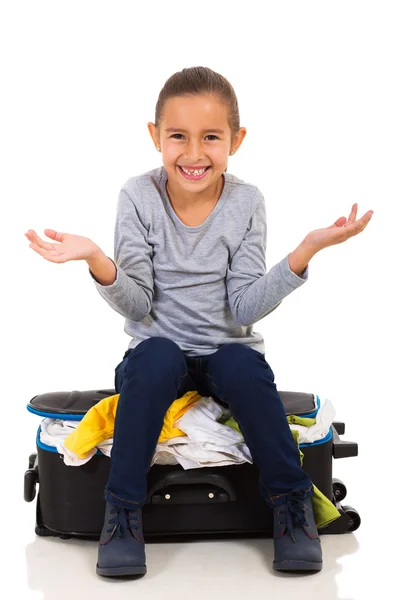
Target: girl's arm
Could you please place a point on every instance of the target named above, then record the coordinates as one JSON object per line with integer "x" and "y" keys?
{"x": 127, "y": 284}
{"x": 299, "y": 258}
{"x": 102, "y": 268}
{"x": 252, "y": 292}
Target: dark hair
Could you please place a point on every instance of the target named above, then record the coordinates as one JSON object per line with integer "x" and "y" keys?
{"x": 200, "y": 80}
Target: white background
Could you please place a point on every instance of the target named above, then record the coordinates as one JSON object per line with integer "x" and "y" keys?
{"x": 318, "y": 91}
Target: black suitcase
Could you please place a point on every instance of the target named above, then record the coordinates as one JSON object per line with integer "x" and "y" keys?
{"x": 203, "y": 502}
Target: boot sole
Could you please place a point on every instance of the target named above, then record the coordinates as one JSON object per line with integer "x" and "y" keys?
{"x": 117, "y": 571}
{"x": 297, "y": 565}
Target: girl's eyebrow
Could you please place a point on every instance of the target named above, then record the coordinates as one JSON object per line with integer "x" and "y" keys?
{"x": 213, "y": 130}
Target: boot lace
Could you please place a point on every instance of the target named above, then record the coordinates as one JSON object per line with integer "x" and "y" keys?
{"x": 295, "y": 513}
{"x": 124, "y": 520}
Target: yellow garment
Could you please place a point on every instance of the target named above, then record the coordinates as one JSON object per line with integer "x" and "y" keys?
{"x": 324, "y": 510}
{"x": 175, "y": 411}
{"x": 98, "y": 423}
{"x": 306, "y": 421}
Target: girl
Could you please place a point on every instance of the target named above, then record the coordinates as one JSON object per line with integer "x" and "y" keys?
{"x": 189, "y": 277}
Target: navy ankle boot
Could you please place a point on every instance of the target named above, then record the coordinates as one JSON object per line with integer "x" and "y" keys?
{"x": 121, "y": 546}
{"x": 296, "y": 541}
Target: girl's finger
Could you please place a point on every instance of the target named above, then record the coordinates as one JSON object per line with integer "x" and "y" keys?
{"x": 35, "y": 247}
{"x": 361, "y": 224}
{"x": 338, "y": 223}
{"x": 54, "y": 235}
{"x": 365, "y": 218}
{"x": 42, "y": 251}
{"x": 353, "y": 214}
{"x": 49, "y": 255}
{"x": 38, "y": 240}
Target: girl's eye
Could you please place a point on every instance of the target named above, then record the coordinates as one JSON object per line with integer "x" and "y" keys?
{"x": 210, "y": 135}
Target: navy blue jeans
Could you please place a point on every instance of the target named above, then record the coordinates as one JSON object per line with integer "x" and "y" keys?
{"x": 157, "y": 372}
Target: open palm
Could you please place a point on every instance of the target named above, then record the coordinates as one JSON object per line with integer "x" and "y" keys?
{"x": 67, "y": 247}
{"x": 340, "y": 231}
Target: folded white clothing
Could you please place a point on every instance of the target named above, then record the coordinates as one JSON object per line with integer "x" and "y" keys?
{"x": 200, "y": 423}
{"x": 323, "y": 422}
{"x": 53, "y": 433}
{"x": 192, "y": 455}
{"x": 207, "y": 442}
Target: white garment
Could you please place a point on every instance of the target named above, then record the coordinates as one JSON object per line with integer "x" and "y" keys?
{"x": 53, "y": 433}
{"x": 207, "y": 442}
{"x": 323, "y": 422}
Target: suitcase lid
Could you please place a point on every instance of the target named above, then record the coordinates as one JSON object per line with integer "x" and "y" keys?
{"x": 74, "y": 405}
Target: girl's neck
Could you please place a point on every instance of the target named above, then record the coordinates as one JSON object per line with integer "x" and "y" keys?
{"x": 184, "y": 200}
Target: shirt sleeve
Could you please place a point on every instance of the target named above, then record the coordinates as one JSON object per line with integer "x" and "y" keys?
{"x": 252, "y": 292}
{"x": 131, "y": 294}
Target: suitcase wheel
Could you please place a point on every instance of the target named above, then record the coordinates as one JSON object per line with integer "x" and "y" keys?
{"x": 339, "y": 490}
{"x": 354, "y": 518}
{"x": 42, "y": 531}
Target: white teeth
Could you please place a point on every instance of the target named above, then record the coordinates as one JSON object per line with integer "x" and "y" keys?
{"x": 195, "y": 172}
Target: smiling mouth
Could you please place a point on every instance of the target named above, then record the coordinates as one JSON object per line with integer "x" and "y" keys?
{"x": 193, "y": 176}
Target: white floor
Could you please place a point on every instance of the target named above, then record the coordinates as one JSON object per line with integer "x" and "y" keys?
{"x": 356, "y": 566}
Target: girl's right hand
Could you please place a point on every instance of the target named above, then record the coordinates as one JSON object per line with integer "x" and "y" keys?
{"x": 70, "y": 246}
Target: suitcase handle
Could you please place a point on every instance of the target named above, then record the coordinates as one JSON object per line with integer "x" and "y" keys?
{"x": 341, "y": 448}
{"x": 188, "y": 478}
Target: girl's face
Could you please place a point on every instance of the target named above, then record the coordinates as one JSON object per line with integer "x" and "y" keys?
{"x": 195, "y": 134}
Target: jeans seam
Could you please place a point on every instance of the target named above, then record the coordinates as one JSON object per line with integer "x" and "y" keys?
{"x": 181, "y": 379}
{"x": 270, "y": 498}
{"x": 216, "y": 386}
{"x": 123, "y": 499}
{"x": 152, "y": 455}
{"x": 237, "y": 420}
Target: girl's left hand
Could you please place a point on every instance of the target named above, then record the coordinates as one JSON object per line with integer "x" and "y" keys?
{"x": 340, "y": 231}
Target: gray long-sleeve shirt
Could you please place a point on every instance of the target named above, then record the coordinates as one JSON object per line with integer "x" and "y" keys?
{"x": 203, "y": 286}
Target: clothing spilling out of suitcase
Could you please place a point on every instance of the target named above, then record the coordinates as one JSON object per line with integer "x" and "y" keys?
{"x": 195, "y": 439}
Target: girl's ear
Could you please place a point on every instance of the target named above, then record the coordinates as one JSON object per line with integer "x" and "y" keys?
{"x": 153, "y": 133}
